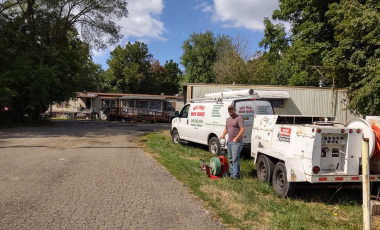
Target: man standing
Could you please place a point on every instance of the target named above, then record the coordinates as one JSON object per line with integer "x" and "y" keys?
{"x": 235, "y": 129}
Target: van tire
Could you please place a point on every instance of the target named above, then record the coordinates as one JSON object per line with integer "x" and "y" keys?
{"x": 214, "y": 146}
{"x": 281, "y": 184}
{"x": 175, "y": 137}
{"x": 264, "y": 169}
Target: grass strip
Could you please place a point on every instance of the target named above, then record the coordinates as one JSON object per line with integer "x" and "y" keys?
{"x": 248, "y": 203}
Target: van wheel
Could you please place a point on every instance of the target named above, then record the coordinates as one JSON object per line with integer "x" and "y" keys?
{"x": 265, "y": 168}
{"x": 281, "y": 185}
{"x": 214, "y": 145}
{"x": 175, "y": 137}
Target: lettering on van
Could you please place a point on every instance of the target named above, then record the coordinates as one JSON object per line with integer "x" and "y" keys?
{"x": 262, "y": 109}
{"x": 216, "y": 110}
{"x": 198, "y": 113}
{"x": 245, "y": 109}
{"x": 246, "y": 112}
{"x": 284, "y": 134}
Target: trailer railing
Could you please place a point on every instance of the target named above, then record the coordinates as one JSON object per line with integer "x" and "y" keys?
{"x": 136, "y": 115}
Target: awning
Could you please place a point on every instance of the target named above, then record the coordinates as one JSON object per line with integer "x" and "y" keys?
{"x": 113, "y": 98}
{"x": 139, "y": 97}
{"x": 86, "y": 95}
{"x": 272, "y": 94}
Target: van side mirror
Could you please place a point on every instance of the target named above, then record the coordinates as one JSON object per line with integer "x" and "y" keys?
{"x": 176, "y": 113}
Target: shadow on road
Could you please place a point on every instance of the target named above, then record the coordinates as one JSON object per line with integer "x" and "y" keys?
{"x": 78, "y": 128}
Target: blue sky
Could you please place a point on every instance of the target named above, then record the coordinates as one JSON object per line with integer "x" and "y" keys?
{"x": 165, "y": 24}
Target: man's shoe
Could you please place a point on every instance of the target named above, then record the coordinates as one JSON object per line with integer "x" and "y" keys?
{"x": 234, "y": 178}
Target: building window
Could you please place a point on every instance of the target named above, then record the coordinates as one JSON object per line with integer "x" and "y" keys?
{"x": 109, "y": 103}
{"x": 155, "y": 105}
{"x": 142, "y": 104}
{"x": 170, "y": 106}
{"x": 129, "y": 104}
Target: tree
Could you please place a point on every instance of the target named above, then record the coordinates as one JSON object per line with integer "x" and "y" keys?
{"x": 232, "y": 66}
{"x": 171, "y": 85}
{"x": 199, "y": 55}
{"x": 45, "y": 60}
{"x": 134, "y": 70}
{"x": 334, "y": 41}
{"x": 129, "y": 68}
{"x": 94, "y": 18}
{"x": 311, "y": 37}
{"x": 356, "y": 56}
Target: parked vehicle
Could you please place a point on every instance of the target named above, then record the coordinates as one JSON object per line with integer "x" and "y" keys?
{"x": 289, "y": 150}
{"x": 203, "y": 120}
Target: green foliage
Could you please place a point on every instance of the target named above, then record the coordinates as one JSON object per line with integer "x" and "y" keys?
{"x": 199, "y": 55}
{"x": 275, "y": 40}
{"x": 133, "y": 70}
{"x": 128, "y": 67}
{"x": 357, "y": 56}
{"x": 173, "y": 78}
{"x": 44, "y": 60}
{"x": 232, "y": 65}
{"x": 333, "y": 41}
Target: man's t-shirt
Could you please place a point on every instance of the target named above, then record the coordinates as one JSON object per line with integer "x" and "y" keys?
{"x": 233, "y": 125}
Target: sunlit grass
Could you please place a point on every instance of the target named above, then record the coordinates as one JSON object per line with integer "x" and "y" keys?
{"x": 250, "y": 204}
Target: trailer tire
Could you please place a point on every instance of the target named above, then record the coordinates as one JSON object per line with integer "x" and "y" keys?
{"x": 265, "y": 168}
{"x": 175, "y": 137}
{"x": 281, "y": 185}
{"x": 214, "y": 145}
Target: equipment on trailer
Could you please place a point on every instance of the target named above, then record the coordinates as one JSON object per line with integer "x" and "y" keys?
{"x": 289, "y": 150}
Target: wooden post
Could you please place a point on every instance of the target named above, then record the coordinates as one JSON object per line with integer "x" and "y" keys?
{"x": 366, "y": 186}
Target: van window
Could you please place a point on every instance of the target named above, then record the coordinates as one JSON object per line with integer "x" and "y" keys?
{"x": 264, "y": 109}
{"x": 184, "y": 112}
{"x": 246, "y": 109}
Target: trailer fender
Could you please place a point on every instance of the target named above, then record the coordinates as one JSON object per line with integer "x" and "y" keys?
{"x": 295, "y": 169}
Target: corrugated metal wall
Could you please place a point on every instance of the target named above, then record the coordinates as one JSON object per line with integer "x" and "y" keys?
{"x": 313, "y": 101}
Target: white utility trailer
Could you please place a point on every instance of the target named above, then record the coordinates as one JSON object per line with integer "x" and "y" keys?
{"x": 293, "y": 149}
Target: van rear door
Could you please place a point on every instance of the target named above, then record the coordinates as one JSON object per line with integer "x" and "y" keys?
{"x": 247, "y": 109}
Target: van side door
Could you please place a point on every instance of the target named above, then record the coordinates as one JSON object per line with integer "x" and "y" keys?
{"x": 246, "y": 109}
{"x": 183, "y": 122}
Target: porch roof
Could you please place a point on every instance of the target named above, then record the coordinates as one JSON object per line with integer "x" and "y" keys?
{"x": 140, "y": 97}
{"x": 86, "y": 95}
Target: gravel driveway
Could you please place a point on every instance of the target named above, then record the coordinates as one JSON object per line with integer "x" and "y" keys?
{"x": 90, "y": 175}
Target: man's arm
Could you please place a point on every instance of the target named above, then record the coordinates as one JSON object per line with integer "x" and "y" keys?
{"x": 240, "y": 135}
{"x": 224, "y": 133}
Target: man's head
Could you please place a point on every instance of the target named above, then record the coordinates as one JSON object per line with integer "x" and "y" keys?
{"x": 231, "y": 110}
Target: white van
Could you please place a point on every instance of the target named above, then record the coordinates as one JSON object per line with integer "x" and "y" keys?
{"x": 204, "y": 120}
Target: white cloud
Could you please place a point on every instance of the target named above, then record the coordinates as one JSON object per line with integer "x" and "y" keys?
{"x": 248, "y": 14}
{"x": 143, "y": 24}
{"x": 143, "y": 21}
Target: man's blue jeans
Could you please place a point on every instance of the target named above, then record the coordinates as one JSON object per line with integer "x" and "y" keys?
{"x": 234, "y": 149}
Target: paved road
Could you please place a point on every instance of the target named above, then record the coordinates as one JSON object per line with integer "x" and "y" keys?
{"x": 90, "y": 175}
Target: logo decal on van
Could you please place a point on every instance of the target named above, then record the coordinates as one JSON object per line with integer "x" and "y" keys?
{"x": 198, "y": 107}
{"x": 245, "y": 109}
{"x": 284, "y": 134}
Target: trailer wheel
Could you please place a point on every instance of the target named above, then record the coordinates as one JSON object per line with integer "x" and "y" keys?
{"x": 214, "y": 145}
{"x": 175, "y": 137}
{"x": 265, "y": 168}
{"x": 281, "y": 185}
